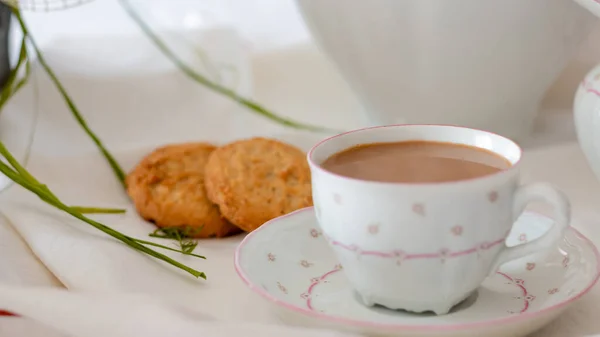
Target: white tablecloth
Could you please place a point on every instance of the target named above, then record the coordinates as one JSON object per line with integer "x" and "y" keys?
{"x": 135, "y": 102}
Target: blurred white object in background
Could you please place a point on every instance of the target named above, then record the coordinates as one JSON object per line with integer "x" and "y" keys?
{"x": 587, "y": 118}
{"x": 587, "y": 107}
{"x": 475, "y": 63}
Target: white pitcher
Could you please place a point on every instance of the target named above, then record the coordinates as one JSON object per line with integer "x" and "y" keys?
{"x": 482, "y": 64}
{"x": 587, "y": 108}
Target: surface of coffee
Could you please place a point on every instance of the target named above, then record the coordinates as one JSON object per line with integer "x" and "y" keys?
{"x": 415, "y": 162}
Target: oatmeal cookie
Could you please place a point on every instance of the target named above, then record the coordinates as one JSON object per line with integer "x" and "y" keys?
{"x": 167, "y": 188}
{"x": 255, "y": 180}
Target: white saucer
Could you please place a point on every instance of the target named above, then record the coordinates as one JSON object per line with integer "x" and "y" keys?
{"x": 288, "y": 262}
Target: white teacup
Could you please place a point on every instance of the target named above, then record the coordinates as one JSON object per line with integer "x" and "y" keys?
{"x": 426, "y": 246}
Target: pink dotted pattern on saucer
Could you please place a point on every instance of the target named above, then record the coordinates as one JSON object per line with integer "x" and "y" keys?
{"x": 525, "y": 296}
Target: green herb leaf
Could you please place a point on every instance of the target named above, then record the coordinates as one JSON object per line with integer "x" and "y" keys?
{"x": 150, "y": 243}
{"x": 72, "y": 107}
{"x": 203, "y": 80}
{"x": 17, "y": 173}
{"x": 97, "y": 210}
{"x": 43, "y": 193}
{"x": 182, "y": 235}
{"x": 9, "y": 89}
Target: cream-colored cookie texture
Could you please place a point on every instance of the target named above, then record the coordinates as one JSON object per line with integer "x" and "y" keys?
{"x": 255, "y": 180}
{"x": 167, "y": 188}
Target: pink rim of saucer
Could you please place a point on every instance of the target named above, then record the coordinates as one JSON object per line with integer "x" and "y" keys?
{"x": 365, "y": 324}
{"x": 514, "y": 166}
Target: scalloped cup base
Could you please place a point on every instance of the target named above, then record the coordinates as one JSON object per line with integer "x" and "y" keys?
{"x": 289, "y": 263}
{"x": 411, "y": 306}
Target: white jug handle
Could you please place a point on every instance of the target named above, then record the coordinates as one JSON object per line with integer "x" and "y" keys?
{"x": 562, "y": 215}
{"x": 591, "y": 5}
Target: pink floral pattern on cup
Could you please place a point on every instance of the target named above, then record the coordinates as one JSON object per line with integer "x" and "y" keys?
{"x": 373, "y": 229}
{"x": 305, "y": 264}
{"x": 419, "y": 209}
{"x": 315, "y": 233}
{"x": 400, "y": 255}
{"x": 457, "y": 230}
{"x": 493, "y": 196}
{"x": 444, "y": 254}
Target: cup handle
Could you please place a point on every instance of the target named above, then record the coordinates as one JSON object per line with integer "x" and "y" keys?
{"x": 562, "y": 216}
